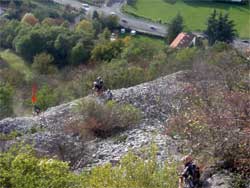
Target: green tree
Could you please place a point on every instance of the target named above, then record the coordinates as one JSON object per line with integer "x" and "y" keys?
{"x": 78, "y": 54}
{"x": 63, "y": 45}
{"x": 97, "y": 26}
{"x": 108, "y": 50}
{"x": 20, "y": 168}
{"x": 104, "y": 36}
{"x": 6, "y": 100}
{"x": 30, "y": 44}
{"x": 47, "y": 97}
{"x": 220, "y": 28}
{"x": 8, "y": 32}
{"x": 95, "y": 15}
{"x": 175, "y": 27}
{"x": 12, "y": 10}
{"x": 85, "y": 27}
{"x": 42, "y": 63}
{"x": 110, "y": 22}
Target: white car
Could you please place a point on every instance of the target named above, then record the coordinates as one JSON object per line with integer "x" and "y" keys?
{"x": 133, "y": 32}
{"x": 112, "y": 13}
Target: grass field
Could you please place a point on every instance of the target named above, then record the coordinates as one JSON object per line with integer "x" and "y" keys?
{"x": 195, "y": 14}
{"x": 17, "y": 63}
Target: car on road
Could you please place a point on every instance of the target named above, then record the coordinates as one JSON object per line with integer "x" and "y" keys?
{"x": 153, "y": 27}
{"x": 112, "y": 13}
{"x": 245, "y": 41}
{"x": 133, "y": 32}
{"x": 124, "y": 21}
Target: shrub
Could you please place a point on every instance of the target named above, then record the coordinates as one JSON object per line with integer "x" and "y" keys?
{"x": 47, "y": 97}
{"x": 104, "y": 119}
{"x": 20, "y": 168}
{"x": 134, "y": 171}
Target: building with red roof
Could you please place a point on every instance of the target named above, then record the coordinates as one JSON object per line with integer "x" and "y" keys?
{"x": 183, "y": 40}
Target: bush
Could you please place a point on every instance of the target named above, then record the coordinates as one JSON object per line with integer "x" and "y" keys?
{"x": 21, "y": 169}
{"x": 134, "y": 171}
{"x": 104, "y": 119}
{"x": 47, "y": 97}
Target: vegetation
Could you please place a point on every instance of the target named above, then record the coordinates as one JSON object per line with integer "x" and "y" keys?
{"x": 6, "y": 100}
{"x": 21, "y": 168}
{"x": 17, "y": 64}
{"x": 39, "y": 9}
{"x": 103, "y": 120}
{"x": 40, "y": 48}
{"x": 29, "y": 19}
{"x": 134, "y": 171}
{"x": 175, "y": 27}
{"x": 220, "y": 28}
{"x": 214, "y": 117}
{"x": 195, "y": 13}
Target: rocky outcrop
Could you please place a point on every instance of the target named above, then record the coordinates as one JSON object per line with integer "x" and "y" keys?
{"x": 218, "y": 180}
{"x": 156, "y": 99}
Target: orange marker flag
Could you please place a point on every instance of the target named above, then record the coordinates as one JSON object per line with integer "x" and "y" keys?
{"x": 34, "y": 90}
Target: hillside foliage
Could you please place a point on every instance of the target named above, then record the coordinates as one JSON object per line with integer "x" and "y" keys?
{"x": 20, "y": 168}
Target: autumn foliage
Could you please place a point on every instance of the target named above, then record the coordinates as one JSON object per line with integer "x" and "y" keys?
{"x": 215, "y": 116}
{"x": 29, "y": 18}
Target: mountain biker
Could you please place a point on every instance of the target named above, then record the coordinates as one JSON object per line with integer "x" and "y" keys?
{"x": 98, "y": 84}
{"x": 37, "y": 110}
{"x": 190, "y": 174}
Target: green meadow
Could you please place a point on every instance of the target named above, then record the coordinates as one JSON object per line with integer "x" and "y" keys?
{"x": 195, "y": 14}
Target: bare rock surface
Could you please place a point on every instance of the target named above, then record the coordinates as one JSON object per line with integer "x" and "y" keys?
{"x": 219, "y": 180}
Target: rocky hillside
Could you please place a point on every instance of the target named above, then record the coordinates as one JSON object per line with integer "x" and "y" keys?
{"x": 156, "y": 99}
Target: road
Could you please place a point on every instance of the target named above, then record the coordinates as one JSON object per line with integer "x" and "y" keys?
{"x": 126, "y": 21}
{"x": 140, "y": 24}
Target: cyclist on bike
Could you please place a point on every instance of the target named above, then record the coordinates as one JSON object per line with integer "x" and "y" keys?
{"x": 190, "y": 174}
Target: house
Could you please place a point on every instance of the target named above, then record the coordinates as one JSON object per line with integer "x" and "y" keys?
{"x": 183, "y": 40}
